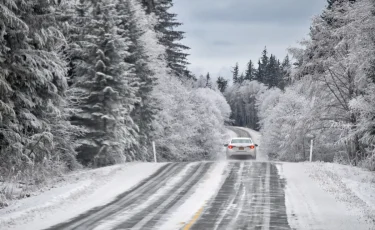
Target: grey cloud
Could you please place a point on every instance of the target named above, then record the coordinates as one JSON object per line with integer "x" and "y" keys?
{"x": 222, "y": 43}
{"x": 259, "y": 11}
{"x": 223, "y": 32}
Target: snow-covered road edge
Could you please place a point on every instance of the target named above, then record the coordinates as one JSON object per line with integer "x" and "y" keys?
{"x": 314, "y": 193}
{"x": 74, "y": 196}
{"x": 352, "y": 186}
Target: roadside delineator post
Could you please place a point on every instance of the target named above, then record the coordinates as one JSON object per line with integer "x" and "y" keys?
{"x": 154, "y": 150}
{"x": 311, "y": 149}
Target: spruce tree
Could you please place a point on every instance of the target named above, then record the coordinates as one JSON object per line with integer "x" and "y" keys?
{"x": 272, "y": 77}
{"x": 331, "y": 3}
{"x": 143, "y": 113}
{"x": 149, "y": 4}
{"x": 235, "y": 72}
{"x": 107, "y": 87}
{"x": 170, "y": 37}
{"x": 208, "y": 81}
{"x": 222, "y": 84}
{"x": 263, "y": 67}
{"x": 32, "y": 86}
{"x": 286, "y": 72}
{"x": 250, "y": 71}
{"x": 259, "y": 72}
{"x": 241, "y": 78}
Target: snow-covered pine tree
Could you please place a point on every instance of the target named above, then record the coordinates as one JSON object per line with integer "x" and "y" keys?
{"x": 170, "y": 37}
{"x": 286, "y": 68}
{"x": 209, "y": 83}
{"x": 273, "y": 77}
{"x": 236, "y": 73}
{"x": 222, "y": 84}
{"x": 128, "y": 19}
{"x": 107, "y": 86}
{"x": 241, "y": 78}
{"x": 331, "y": 3}
{"x": 149, "y": 4}
{"x": 32, "y": 85}
{"x": 262, "y": 67}
{"x": 250, "y": 71}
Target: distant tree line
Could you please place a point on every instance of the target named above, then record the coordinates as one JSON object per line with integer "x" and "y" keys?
{"x": 270, "y": 72}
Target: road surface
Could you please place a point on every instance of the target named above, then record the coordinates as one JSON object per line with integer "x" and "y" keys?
{"x": 251, "y": 196}
{"x": 233, "y": 195}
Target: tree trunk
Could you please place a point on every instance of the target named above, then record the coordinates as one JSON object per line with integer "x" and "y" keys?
{"x": 150, "y": 4}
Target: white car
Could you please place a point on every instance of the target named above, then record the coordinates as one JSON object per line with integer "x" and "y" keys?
{"x": 241, "y": 146}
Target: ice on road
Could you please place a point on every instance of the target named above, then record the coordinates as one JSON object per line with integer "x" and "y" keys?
{"x": 235, "y": 194}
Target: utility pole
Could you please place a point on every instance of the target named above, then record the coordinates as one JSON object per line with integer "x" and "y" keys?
{"x": 154, "y": 150}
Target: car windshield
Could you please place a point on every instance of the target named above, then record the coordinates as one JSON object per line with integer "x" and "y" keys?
{"x": 242, "y": 141}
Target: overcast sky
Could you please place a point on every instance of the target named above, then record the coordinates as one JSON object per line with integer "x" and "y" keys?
{"x": 223, "y": 32}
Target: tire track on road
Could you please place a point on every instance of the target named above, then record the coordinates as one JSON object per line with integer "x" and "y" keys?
{"x": 241, "y": 200}
{"x": 278, "y": 217}
{"x": 148, "y": 218}
{"x": 258, "y": 202}
{"x": 92, "y": 217}
{"x": 215, "y": 212}
{"x": 250, "y": 215}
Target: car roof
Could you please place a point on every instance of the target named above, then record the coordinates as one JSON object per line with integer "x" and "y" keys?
{"x": 241, "y": 138}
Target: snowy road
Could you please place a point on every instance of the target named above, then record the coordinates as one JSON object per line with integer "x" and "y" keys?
{"x": 208, "y": 195}
{"x": 251, "y": 196}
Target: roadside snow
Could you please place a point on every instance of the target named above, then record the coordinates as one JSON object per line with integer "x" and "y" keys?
{"x": 81, "y": 191}
{"x": 352, "y": 186}
{"x": 318, "y": 198}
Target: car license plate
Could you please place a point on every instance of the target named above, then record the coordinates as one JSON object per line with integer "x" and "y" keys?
{"x": 242, "y": 148}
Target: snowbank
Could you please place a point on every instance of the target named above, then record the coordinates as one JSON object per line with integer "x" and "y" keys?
{"x": 316, "y": 191}
{"x": 81, "y": 191}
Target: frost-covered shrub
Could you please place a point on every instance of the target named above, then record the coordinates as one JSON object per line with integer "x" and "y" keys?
{"x": 211, "y": 111}
{"x": 365, "y": 107}
{"x": 191, "y": 127}
{"x": 289, "y": 120}
{"x": 282, "y": 130}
